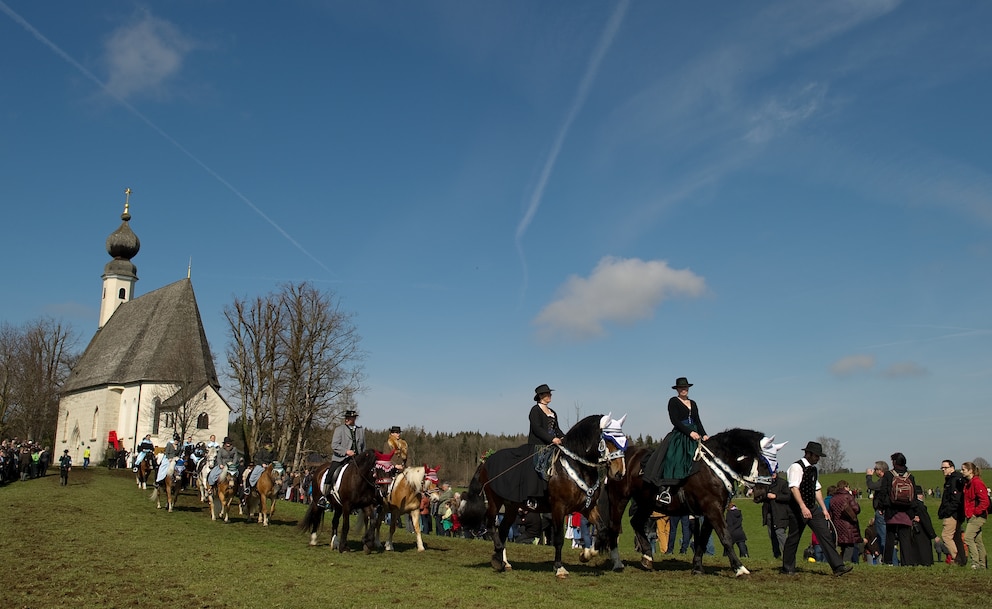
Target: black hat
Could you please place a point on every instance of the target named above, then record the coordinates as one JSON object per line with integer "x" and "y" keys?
{"x": 350, "y": 414}
{"x": 227, "y": 440}
{"x": 539, "y": 390}
{"x": 394, "y": 429}
{"x": 681, "y": 382}
{"x": 815, "y": 448}
{"x": 176, "y": 437}
{"x": 65, "y": 452}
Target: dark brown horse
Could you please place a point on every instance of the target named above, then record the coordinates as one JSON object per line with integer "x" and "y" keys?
{"x": 146, "y": 467}
{"x": 726, "y": 461}
{"x": 576, "y": 480}
{"x": 357, "y": 490}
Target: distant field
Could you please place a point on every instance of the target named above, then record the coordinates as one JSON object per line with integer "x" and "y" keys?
{"x": 100, "y": 543}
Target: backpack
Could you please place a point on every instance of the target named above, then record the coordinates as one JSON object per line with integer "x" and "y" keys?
{"x": 902, "y": 491}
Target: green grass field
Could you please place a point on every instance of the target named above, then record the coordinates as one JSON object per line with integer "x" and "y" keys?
{"x": 99, "y": 542}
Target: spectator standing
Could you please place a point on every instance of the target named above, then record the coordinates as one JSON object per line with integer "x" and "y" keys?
{"x": 735, "y": 524}
{"x": 65, "y": 464}
{"x": 898, "y": 515}
{"x": 86, "y": 457}
{"x": 922, "y": 532}
{"x": 951, "y": 512}
{"x": 844, "y": 510}
{"x": 447, "y": 493}
{"x": 976, "y": 510}
{"x": 777, "y": 500}
{"x": 881, "y": 468}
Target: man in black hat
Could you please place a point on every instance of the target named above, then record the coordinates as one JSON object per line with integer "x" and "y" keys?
{"x": 263, "y": 456}
{"x": 807, "y": 508}
{"x": 348, "y": 439}
{"x": 227, "y": 457}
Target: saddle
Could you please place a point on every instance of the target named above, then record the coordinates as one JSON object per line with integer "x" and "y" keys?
{"x": 330, "y": 484}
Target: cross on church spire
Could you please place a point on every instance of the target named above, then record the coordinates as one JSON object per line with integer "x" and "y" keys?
{"x": 127, "y": 198}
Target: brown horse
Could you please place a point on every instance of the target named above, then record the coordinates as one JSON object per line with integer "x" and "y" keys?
{"x": 575, "y": 483}
{"x": 264, "y": 495}
{"x": 357, "y": 490}
{"x": 725, "y": 461}
{"x": 146, "y": 467}
{"x": 171, "y": 487}
{"x": 403, "y": 497}
{"x": 226, "y": 490}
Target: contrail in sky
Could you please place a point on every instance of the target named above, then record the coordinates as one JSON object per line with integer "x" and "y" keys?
{"x": 58, "y": 51}
{"x": 605, "y": 41}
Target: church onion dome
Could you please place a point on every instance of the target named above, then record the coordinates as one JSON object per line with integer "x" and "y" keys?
{"x": 123, "y": 244}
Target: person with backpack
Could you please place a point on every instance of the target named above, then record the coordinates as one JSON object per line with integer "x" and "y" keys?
{"x": 896, "y": 493}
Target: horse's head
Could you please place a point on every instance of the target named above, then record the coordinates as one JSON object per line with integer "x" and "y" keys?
{"x": 742, "y": 452}
{"x": 430, "y": 477}
{"x": 613, "y": 446}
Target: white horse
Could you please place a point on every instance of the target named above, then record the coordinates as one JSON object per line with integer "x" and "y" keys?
{"x": 403, "y": 497}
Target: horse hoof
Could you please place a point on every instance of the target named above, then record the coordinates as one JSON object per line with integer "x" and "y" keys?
{"x": 618, "y": 569}
{"x": 647, "y": 563}
{"x": 561, "y": 573}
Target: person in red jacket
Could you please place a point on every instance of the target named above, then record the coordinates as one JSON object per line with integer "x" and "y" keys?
{"x": 976, "y": 510}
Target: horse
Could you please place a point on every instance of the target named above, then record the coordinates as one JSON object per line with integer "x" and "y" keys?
{"x": 574, "y": 484}
{"x": 144, "y": 469}
{"x": 403, "y": 496}
{"x": 730, "y": 458}
{"x": 264, "y": 495}
{"x": 226, "y": 489}
{"x": 203, "y": 468}
{"x": 170, "y": 484}
{"x": 357, "y": 490}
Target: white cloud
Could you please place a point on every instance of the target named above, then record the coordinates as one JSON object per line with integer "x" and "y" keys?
{"x": 902, "y": 370}
{"x": 618, "y": 290}
{"x": 142, "y": 55}
{"x": 852, "y": 364}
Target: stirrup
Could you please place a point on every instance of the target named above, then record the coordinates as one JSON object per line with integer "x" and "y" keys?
{"x": 664, "y": 496}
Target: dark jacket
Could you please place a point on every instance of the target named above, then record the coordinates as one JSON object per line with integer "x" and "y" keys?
{"x": 678, "y": 413}
{"x": 844, "y": 510}
{"x": 543, "y": 429}
{"x": 884, "y": 488}
{"x": 735, "y": 526}
{"x": 779, "y": 506}
{"x": 952, "y": 499}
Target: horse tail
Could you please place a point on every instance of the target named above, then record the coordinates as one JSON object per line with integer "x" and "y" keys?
{"x": 154, "y": 495}
{"x": 312, "y": 519}
{"x": 472, "y": 511}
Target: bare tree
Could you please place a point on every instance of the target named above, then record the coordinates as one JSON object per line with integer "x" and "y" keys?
{"x": 833, "y": 460}
{"x": 295, "y": 358}
{"x": 34, "y": 363}
{"x": 181, "y": 397}
{"x": 981, "y": 462}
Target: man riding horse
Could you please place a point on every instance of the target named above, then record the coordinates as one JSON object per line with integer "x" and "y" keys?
{"x": 263, "y": 456}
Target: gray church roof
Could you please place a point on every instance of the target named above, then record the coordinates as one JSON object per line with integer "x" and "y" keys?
{"x": 152, "y": 338}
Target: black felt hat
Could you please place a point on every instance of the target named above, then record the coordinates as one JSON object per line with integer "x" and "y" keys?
{"x": 681, "y": 382}
{"x": 540, "y": 390}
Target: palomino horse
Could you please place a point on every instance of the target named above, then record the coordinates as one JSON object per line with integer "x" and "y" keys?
{"x": 573, "y": 486}
{"x": 264, "y": 495}
{"x": 203, "y": 470}
{"x": 403, "y": 497}
{"x": 145, "y": 468}
{"x": 171, "y": 487}
{"x": 730, "y": 458}
{"x": 357, "y": 490}
{"x": 226, "y": 489}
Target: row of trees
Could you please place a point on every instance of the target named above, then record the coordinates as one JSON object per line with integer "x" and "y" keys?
{"x": 35, "y": 359}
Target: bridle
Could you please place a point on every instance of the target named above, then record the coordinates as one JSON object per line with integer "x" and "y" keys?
{"x": 724, "y": 472}
{"x": 606, "y": 456}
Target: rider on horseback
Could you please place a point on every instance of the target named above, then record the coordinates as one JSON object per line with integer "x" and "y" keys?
{"x": 348, "y": 440}
{"x": 229, "y": 458}
{"x": 544, "y": 431}
{"x": 671, "y": 463}
{"x": 145, "y": 450}
{"x": 170, "y": 457}
{"x": 263, "y": 457}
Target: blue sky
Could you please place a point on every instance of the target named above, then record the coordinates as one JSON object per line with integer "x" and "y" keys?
{"x": 787, "y": 202}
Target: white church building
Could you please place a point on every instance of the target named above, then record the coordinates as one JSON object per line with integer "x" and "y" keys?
{"x": 147, "y": 369}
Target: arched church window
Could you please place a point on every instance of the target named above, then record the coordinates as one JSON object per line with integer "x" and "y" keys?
{"x": 122, "y": 294}
{"x": 96, "y": 418}
{"x": 203, "y": 421}
{"x": 65, "y": 428}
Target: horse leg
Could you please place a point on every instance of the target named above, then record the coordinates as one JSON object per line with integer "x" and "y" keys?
{"x": 368, "y": 540}
{"x": 558, "y": 538}
{"x": 393, "y": 514}
{"x": 414, "y": 516}
{"x": 499, "y": 561}
{"x": 719, "y": 524}
{"x": 638, "y": 521}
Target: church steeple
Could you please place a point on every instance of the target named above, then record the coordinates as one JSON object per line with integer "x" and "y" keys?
{"x": 119, "y": 275}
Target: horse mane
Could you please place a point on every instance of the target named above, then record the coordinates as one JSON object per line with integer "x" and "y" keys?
{"x": 414, "y": 476}
{"x": 365, "y": 461}
{"x": 736, "y": 441}
{"x": 585, "y": 435}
